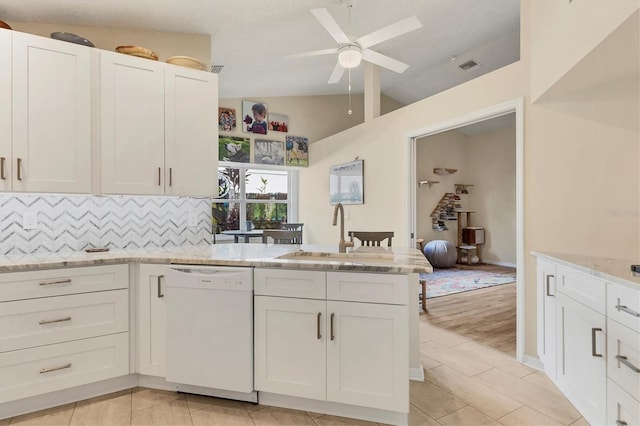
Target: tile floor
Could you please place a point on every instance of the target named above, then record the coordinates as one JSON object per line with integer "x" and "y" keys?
{"x": 466, "y": 384}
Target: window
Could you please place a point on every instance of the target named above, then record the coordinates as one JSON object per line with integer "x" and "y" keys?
{"x": 250, "y": 197}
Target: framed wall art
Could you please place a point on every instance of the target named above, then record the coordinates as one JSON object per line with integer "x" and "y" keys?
{"x": 269, "y": 152}
{"x": 254, "y": 117}
{"x": 235, "y": 149}
{"x": 278, "y": 123}
{"x": 226, "y": 119}
{"x": 346, "y": 183}
{"x": 297, "y": 151}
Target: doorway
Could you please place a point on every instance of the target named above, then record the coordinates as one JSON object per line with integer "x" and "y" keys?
{"x": 481, "y": 118}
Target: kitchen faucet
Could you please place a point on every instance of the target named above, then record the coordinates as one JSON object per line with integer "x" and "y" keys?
{"x": 342, "y": 245}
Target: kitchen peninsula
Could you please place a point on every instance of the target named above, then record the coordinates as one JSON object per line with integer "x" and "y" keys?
{"x": 373, "y": 338}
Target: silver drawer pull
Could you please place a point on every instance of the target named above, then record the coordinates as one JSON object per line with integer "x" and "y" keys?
{"x": 55, "y": 320}
{"x": 628, "y": 311}
{"x": 67, "y": 281}
{"x": 49, "y": 370}
{"x": 621, "y": 423}
{"x": 623, "y": 359}
{"x": 594, "y": 351}
{"x": 160, "y": 293}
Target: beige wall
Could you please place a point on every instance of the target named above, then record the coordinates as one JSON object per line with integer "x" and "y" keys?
{"x": 564, "y": 32}
{"x": 488, "y": 162}
{"x": 491, "y": 165}
{"x": 443, "y": 150}
{"x": 163, "y": 44}
{"x": 314, "y": 117}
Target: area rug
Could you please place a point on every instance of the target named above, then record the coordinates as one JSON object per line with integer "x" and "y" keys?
{"x": 449, "y": 281}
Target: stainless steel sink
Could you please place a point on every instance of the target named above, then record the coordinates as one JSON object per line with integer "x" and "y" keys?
{"x": 366, "y": 257}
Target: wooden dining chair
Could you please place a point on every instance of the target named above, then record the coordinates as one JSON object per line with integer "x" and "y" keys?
{"x": 293, "y": 227}
{"x": 282, "y": 236}
{"x": 371, "y": 238}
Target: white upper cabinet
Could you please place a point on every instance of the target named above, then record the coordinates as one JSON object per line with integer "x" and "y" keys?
{"x": 50, "y": 115}
{"x": 191, "y": 142}
{"x": 132, "y": 124}
{"x": 5, "y": 110}
{"x": 159, "y": 132}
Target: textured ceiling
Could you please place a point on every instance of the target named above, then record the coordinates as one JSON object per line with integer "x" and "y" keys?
{"x": 252, "y": 37}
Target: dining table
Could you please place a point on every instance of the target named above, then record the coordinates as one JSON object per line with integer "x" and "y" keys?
{"x": 247, "y": 234}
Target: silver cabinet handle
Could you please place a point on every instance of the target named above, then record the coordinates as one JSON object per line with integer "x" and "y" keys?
{"x": 623, "y": 359}
{"x": 49, "y": 370}
{"x": 160, "y": 294}
{"x": 66, "y": 281}
{"x": 319, "y": 336}
{"x": 627, "y": 310}
{"x": 159, "y": 175}
{"x": 2, "y": 175}
{"x": 54, "y": 320}
{"x": 621, "y": 423}
{"x": 548, "y": 285}
{"x": 332, "y": 336}
{"x": 593, "y": 342}
{"x": 170, "y": 176}
{"x": 19, "y": 171}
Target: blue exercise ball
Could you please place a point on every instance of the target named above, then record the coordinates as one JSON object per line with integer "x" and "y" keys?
{"x": 441, "y": 253}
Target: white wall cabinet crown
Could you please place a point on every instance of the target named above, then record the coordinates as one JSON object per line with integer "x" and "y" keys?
{"x": 158, "y": 127}
{"x": 45, "y": 114}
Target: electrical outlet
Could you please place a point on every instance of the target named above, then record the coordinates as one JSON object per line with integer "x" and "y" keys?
{"x": 192, "y": 220}
{"x": 30, "y": 220}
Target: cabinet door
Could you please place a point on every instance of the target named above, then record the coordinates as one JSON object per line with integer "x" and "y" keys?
{"x": 191, "y": 136}
{"x": 132, "y": 124}
{"x": 582, "y": 355}
{"x": 151, "y": 338}
{"x": 51, "y": 134}
{"x": 368, "y": 355}
{"x": 546, "y": 279}
{"x": 5, "y": 110}
{"x": 290, "y": 346}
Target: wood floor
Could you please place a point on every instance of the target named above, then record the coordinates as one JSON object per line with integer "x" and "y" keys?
{"x": 486, "y": 316}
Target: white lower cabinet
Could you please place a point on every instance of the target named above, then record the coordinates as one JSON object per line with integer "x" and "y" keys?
{"x": 622, "y": 408}
{"x": 582, "y": 355}
{"x": 330, "y": 350}
{"x": 546, "y": 297}
{"x": 151, "y": 321}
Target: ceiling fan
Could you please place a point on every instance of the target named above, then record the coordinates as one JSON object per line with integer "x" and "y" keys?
{"x": 352, "y": 50}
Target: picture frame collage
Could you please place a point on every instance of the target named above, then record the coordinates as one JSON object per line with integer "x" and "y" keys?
{"x": 260, "y": 139}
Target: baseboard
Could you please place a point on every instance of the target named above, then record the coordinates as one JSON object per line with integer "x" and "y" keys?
{"x": 499, "y": 263}
{"x": 533, "y": 362}
{"x": 416, "y": 374}
{"x": 160, "y": 383}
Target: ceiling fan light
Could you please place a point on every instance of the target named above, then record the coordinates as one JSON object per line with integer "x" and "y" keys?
{"x": 349, "y": 56}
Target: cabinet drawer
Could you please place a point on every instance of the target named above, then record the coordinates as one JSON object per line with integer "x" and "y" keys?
{"x": 36, "y": 322}
{"x": 623, "y": 305}
{"x": 50, "y": 368}
{"x": 622, "y": 408}
{"x": 290, "y": 283}
{"x": 584, "y": 288}
{"x": 373, "y": 288}
{"x": 623, "y": 342}
{"x": 57, "y": 282}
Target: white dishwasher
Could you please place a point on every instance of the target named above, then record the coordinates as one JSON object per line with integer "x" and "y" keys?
{"x": 210, "y": 328}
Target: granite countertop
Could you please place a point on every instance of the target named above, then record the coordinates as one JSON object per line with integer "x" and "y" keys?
{"x": 364, "y": 259}
{"x": 609, "y": 269}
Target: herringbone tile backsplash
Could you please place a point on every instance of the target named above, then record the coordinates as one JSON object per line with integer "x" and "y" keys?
{"x": 75, "y": 222}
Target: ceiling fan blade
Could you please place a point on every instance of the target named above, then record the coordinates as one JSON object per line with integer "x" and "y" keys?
{"x": 384, "y": 61}
{"x": 336, "y": 75}
{"x": 389, "y": 32}
{"x": 329, "y": 24}
{"x": 314, "y": 53}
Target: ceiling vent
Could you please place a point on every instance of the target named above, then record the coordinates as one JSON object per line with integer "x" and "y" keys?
{"x": 466, "y": 66}
{"x": 216, "y": 68}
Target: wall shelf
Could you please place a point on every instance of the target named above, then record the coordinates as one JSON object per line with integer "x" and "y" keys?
{"x": 427, "y": 182}
{"x": 444, "y": 172}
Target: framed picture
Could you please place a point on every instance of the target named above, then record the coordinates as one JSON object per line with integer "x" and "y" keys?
{"x": 346, "y": 183}
{"x": 297, "y": 151}
{"x": 269, "y": 152}
{"x": 254, "y": 117}
{"x": 226, "y": 119}
{"x": 278, "y": 123}
{"x": 233, "y": 148}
